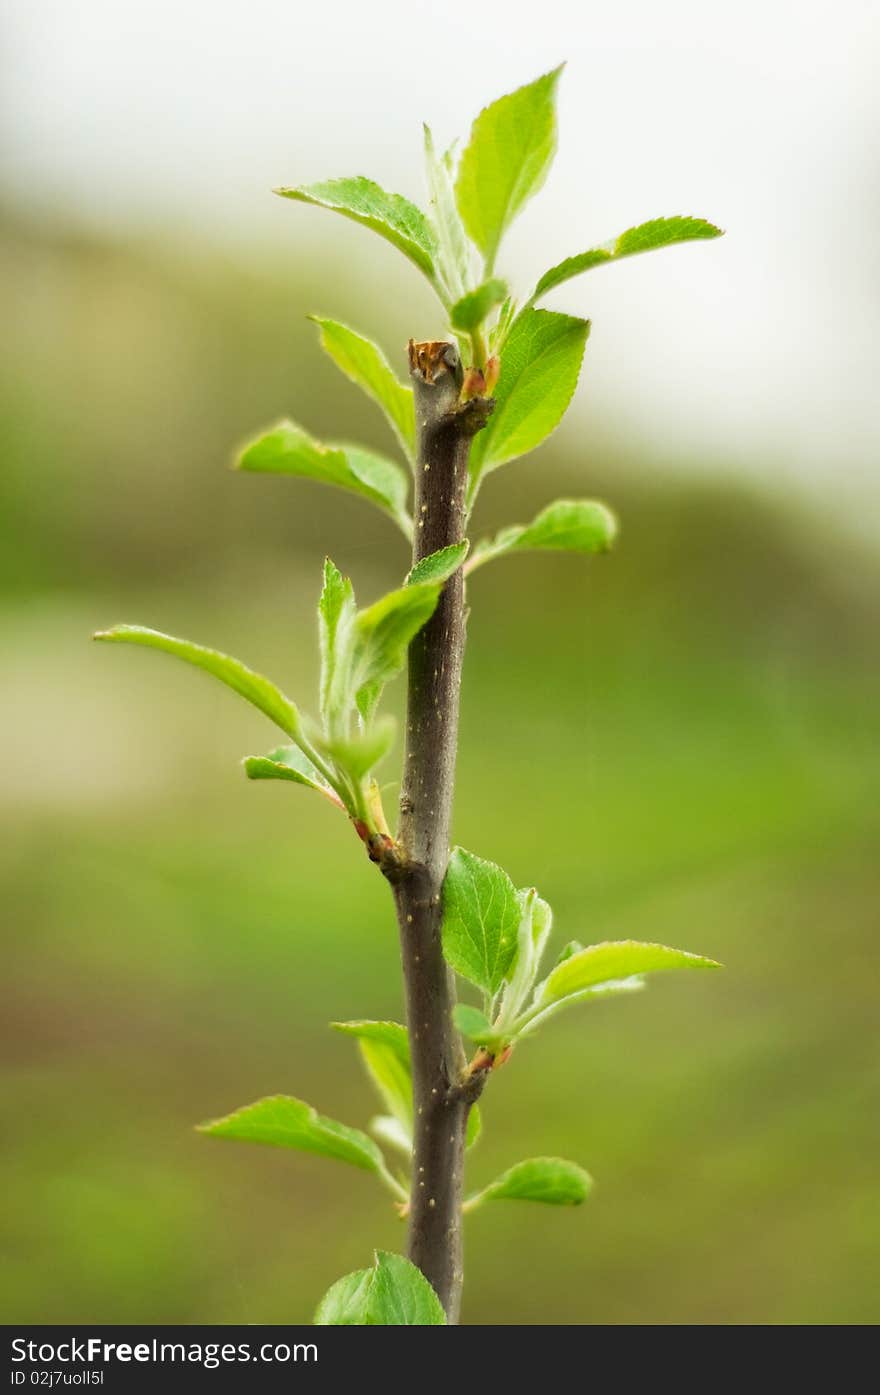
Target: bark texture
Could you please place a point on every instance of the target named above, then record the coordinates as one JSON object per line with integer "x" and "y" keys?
{"x": 442, "y": 1098}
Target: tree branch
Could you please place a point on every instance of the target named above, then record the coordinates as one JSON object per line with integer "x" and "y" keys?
{"x": 445, "y": 428}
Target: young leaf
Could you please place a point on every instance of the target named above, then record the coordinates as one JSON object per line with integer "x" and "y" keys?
{"x": 253, "y": 686}
{"x": 394, "y": 1293}
{"x": 568, "y": 525}
{"x": 336, "y": 611}
{"x": 536, "y": 920}
{"x": 284, "y": 1122}
{"x": 289, "y": 763}
{"x": 501, "y": 329}
{"x": 553, "y": 1181}
{"x": 573, "y": 947}
{"x": 453, "y": 254}
{"x": 345, "y": 1302}
{"x": 470, "y": 311}
{"x": 474, "y": 1127}
{"x": 392, "y": 1133}
{"x": 660, "y": 232}
{"x": 381, "y": 637}
{"x": 473, "y": 1023}
{"x": 480, "y": 918}
{"x": 288, "y": 450}
{"x": 614, "y": 960}
{"x": 439, "y": 566}
{"x": 390, "y": 215}
{"x": 384, "y": 1049}
{"x": 362, "y": 361}
{"x": 511, "y": 148}
{"x": 358, "y": 754}
{"x": 540, "y": 365}
{"x": 539, "y": 1013}
{"x": 391, "y": 1035}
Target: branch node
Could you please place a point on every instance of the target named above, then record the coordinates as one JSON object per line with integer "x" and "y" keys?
{"x": 431, "y": 359}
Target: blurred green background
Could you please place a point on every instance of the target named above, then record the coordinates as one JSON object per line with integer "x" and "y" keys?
{"x": 676, "y": 742}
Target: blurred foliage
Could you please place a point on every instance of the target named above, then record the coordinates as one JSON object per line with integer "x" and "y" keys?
{"x": 676, "y": 743}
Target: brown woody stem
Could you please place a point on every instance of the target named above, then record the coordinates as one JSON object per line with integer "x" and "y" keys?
{"x": 442, "y": 1101}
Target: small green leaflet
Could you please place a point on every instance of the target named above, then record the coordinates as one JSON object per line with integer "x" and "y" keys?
{"x": 470, "y": 311}
{"x": 390, "y": 215}
{"x": 540, "y": 365}
{"x": 384, "y": 1048}
{"x": 381, "y": 637}
{"x": 284, "y": 1122}
{"x": 508, "y": 157}
{"x": 568, "y": 525}
{"x": 553, "y": 1181}
{"x": 439, "y": 566}
{"x": 359, "y": 753}
{"x": 573, "y": 947}
{"x": 474, "y": 1127}
{"x": 473, "y": 1024}
{"x": 289, "y": 763}
{"x": 253, "y": 686}
{"x": 481, "y": 915}
{"x": 288, "y": 450}
{"x": 536, "y": 921}
{"x": 660, "y": 232}
{"x": 336, "y": 612}
{"x": 364, "y": 363}
{"x": 453, "y": 255}
{"x": 362, "y": 650}
{"x": 539, "y": 1013}
{"x": 614, "y": 960}
{"x": 394, "y": 1293}
{"x": 392, "y": 1133}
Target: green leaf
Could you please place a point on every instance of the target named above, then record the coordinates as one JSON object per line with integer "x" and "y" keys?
{"x": 481, "y": 915}
{"x": 252, "y": 686}
{"x": 336, "y": 611}
{"x": 284, "y": 1122}
{"x": 663, "y": 232}
{"x": 288, "y": 450}
{"x": 289, "y": 763}
{"x": 473, "y": 1023}
{"x": 553, "y": 1181}
{"x": 538, "y": 1014}
{"x": 359, "y": 753}
{"x": 440, "y": 565}
{"x": 568, "y": 525}
{"x": 394, "y": 1293}
{"x": 536, "y": 920}
{"x": 540, "y": 365}
{"x": 501, "y": 328}
{"x": 364, "y": 363}
{"x": 573, "y": 947}
{"x": 469, "y": 312}
{"x": 507, "y": 159}
{"x": 384, "y": 1049}
{"x": 474, "y": 1127}
{"x": 660, "y": 232}
{"x": 453, "y": 255}
{"x": 345, "y": 1302}
{"x": 382, "y": 635}
{"x": 614, "y": 960}
{"x": 392, "y": 1133}
{"x": 390, "y": 215}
